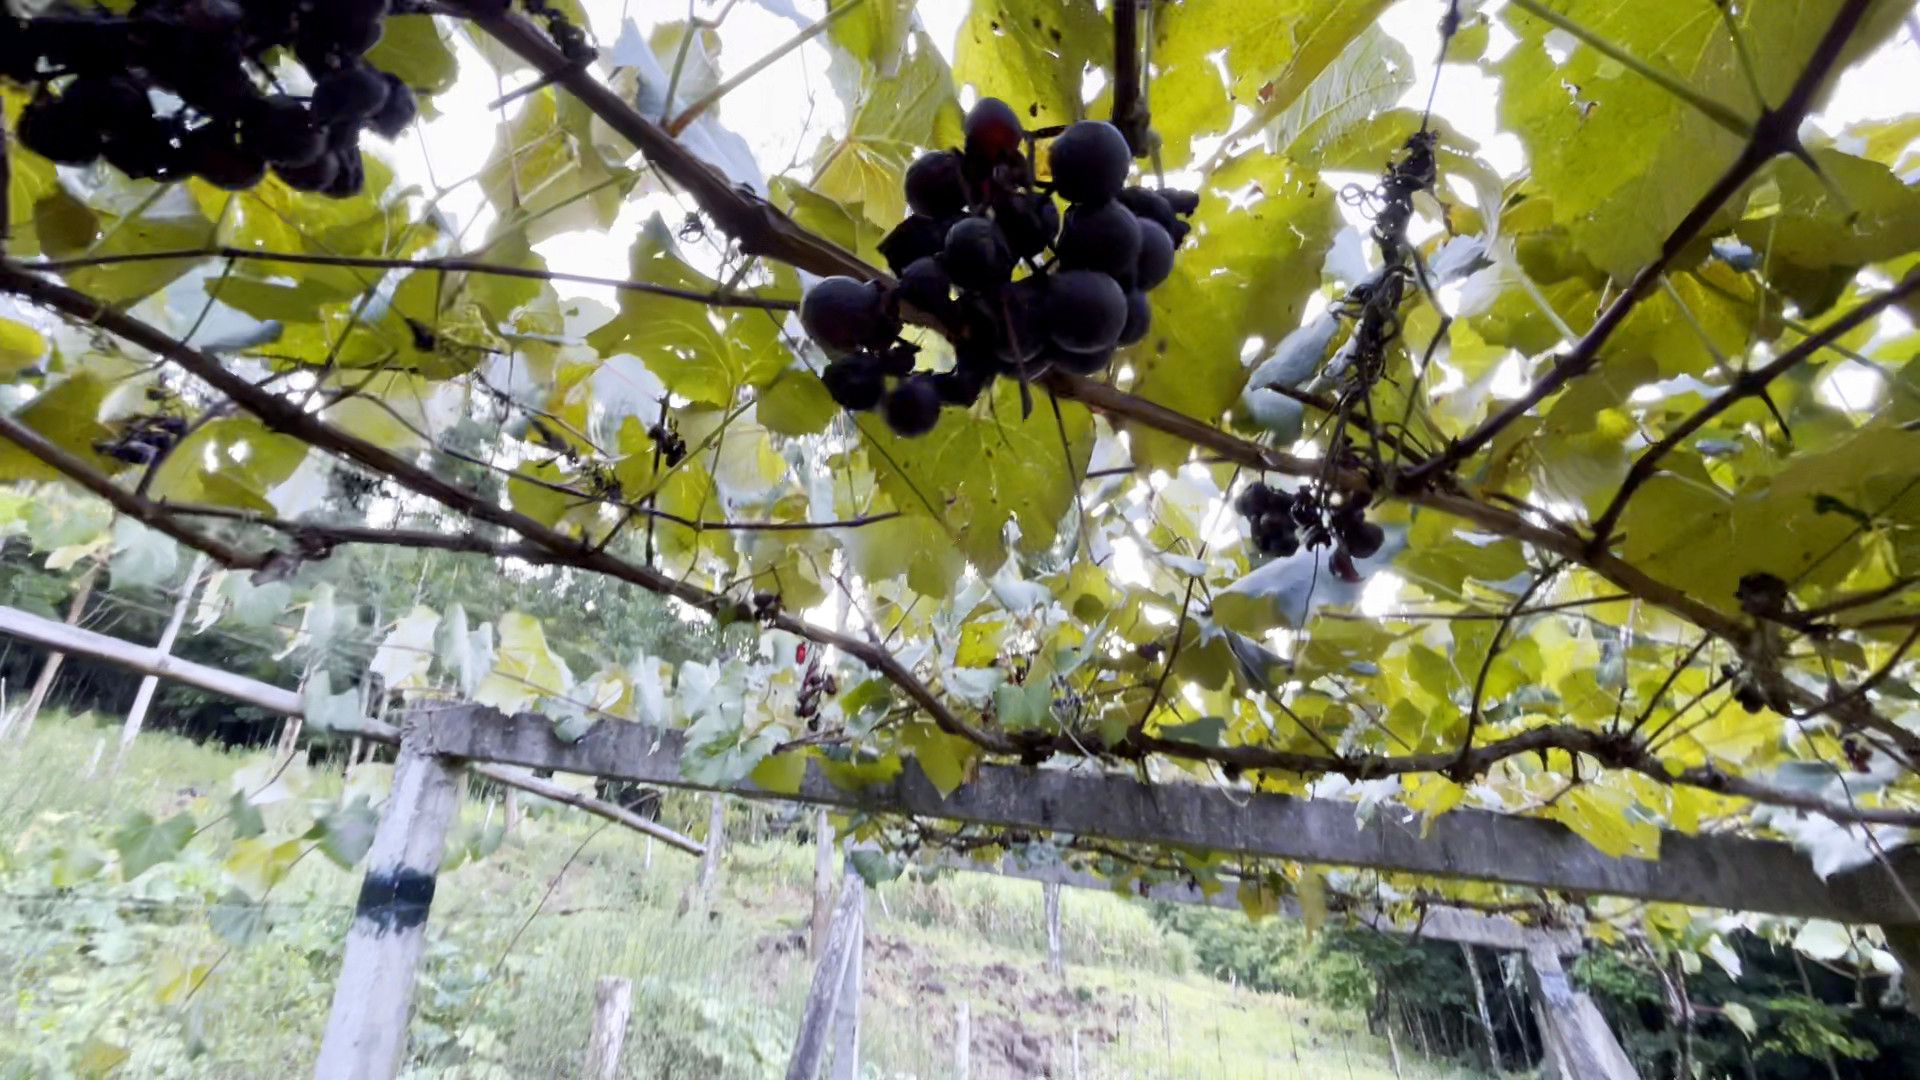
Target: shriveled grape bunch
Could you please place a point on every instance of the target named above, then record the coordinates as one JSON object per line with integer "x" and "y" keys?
{"x": 1019, "y": 287}
{"x": 1282, "y": 522}
{"x": 221, "y": 114}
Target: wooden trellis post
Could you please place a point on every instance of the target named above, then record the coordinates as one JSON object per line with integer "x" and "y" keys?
{"x": 846, "y": 1016}
{"x": 367, "y": 1030}
{"x": 1056, "y": 964}
{"x": 612, "y": 1008}
{"x": 829, "y": 980}
{"x": 1577, "y": 1044}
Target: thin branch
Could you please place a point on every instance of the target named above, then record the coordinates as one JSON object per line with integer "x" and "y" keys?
{"x": 1776, "y": 133}
{"x": 712, "y": 97}
{"x": 715, "y": 298}
{"x": 758, "y": 226}
{"x": 1129, "y": 106}
{"x": 1493, "y": 652}
{"x": 1750, "y": 383}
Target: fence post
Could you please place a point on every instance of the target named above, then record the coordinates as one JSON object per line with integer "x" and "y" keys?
{"x": 143, "y": 697}
{"x": 612, "y": 1008}
{"x": 1056, "y": 964}
{"x": 823, "y": 864}
{"x": 829, "y": 977}
{"x": 367, "y": 1028}
{"x": 1576, "y": 1042}
{"x": 50, "y": 667}
{"x": 846, "y": 1019}
{"x": 1492, "y": 1059}
{"x": 962, "y": 1043}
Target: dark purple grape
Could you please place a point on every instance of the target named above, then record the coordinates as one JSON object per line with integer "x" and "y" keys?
{"x": 1277, "y": 543}
{"x": 279, "y": 129}
{"x": 216, "y": 156}
{"x": 348, "y": 96}
{"x": 396, "y": 112}
{"x": 855, "y": 382}
{"x": 1090, "y": 161}
{"x": 1148, "y": 204}
{"x": 977, "y": 254}
{"x": 898, "y": 359}
{"x": 926, "y": 285}
{"x": 350, "y": 177}
{"x": 1257, "y": 499}
{"x": 1156, "y": 256}
{"x": 1019, "y": 326}
{"x": 1363, "y": 541}
{"x": 312, "y": 176}
{"x": 1080, "y": 363}
{"x": 1029, "y": 220}
{"x": 962, "y": 385}
{"x": 1103, "y": 237}
{"x": 1085, "y": 310}
{"x": 1139, "y": 318}
{"x": 1183, "y": 203}
{"x": 912, "y": 240}
{"x": 993, "y": 131}
{"x": 55, "y": 133}
{"x": 843, "y": 314}
{"x": 145, "y": 147}
{"x": 913, "y": 408}
{"x": 936, "y": 185}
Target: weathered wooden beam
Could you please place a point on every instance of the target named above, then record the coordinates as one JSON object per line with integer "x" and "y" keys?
{"x": 149, "y": 661}
{"x": 1729, "y": 872}
{"x": 1577, "y": 1044}
{"x": 1436, "y": 924}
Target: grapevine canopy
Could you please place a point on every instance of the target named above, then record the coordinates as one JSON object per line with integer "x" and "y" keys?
{"x": 1613, "y": 348}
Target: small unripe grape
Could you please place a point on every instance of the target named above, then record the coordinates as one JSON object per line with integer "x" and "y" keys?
{"x": 1090, "y": 161}
{"x": 936, "y": 186}
{"x": 1085, "y": 310}
{"x": 1103, "y": 237}
{"x": 977, "y": 254}
{"x": 913, "y": 408}
{"x": 843, "y": 314}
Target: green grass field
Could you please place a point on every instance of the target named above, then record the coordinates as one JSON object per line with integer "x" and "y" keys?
{"x": 148, "y": 978}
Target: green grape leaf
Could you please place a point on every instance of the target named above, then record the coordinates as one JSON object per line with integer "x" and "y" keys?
{"x": 897, "y": 114}
{"x": 1251, "y": 270}
{"x": 346, "y": 832}
{"x": 975, "y": 471}
{"x": 144, "y": 843}
{"x": 1032, "y": 55}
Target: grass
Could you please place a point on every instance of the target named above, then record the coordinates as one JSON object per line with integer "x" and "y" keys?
{"x": 173, "y": 974}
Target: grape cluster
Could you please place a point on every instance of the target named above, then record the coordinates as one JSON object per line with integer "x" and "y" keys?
{"x": 225, "y": 119}
{"x": 980, "y": 217}
{"x": 1282, "y": 522}
{"x": 143, "y": 439}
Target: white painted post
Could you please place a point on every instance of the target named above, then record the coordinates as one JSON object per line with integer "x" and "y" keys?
{"x": 43, "y": 682}
{"x": 612, "y": 1009}
{"x": 366, "y": 1033}
{"x": 829, "y": 979}
{"x": 143, "y": 697}
{"x": 93, "y": 762}
{"x": 962, "y": 1043}
{"x": 846, "y": 1018}
{"x": 1056, "y": 964}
